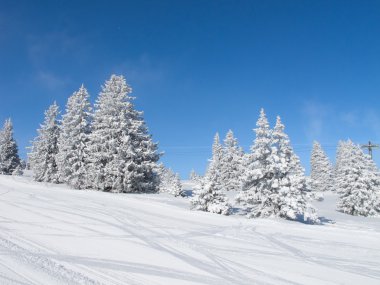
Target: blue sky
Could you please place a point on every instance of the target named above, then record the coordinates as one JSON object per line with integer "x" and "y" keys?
{"x": 198, "y": 67}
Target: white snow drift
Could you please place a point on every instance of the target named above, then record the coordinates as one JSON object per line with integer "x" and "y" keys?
{"x": 51, "y": 234}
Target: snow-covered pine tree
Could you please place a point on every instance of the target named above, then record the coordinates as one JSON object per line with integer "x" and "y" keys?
{"x": 343, "y": 157}
{"x": 195, "y": 177}
{"x": 122, "y": 154}
{"x": 18, "y": 171}
{"x": 275, "y": 184}
{"x": 192, "y": 175}
{"x": 170, "y": 182}
{"x": 215, "y": 164}
{"x": 208, "y": 195}
{"x": 43, "y": 155}
{"x": 289, "y": 183}
{"x": 358, "y": 182}
{"x": 321, "y": 175}
{"x": 259, "y": 169}
{"x": 72, "y": 158}
{"x": 232, "y": 164}
{"x": 9, "y": 159}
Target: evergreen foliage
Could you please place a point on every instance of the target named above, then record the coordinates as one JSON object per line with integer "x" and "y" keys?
{"x": 170, "y": 182}
{"x": 43, "y": 155}
{"x": 293, "y": 198}
{"x": 208, "y": 195}
{"x": 195, "y": 177}
{"x": 9, "y": 158}
{"x": 259, "y": 169}
{"x": 122, "y": 154}
{"x": 72, "y": 157}
{"x": 321, "y": 175}
{"x": 231, "y": 164}
{"x": 274, "y": 184}
{"x": 358, "y": 182}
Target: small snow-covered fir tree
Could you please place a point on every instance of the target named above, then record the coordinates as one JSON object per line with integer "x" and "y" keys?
{"x": 321, "y": 175}
{"x": 208, "y": 195}
{"x": 176, "y": 187}
{"x": 358, "y": 181}
{"x": 9, "y": 159}
{"x": 232, "y": 164}
{"x": 170, "y": 182}
{"x": 259, "y": 169}
{"x": 195, "y": 177}
{"x": 72, "y": 158}
{"x": 43, "y": 155}
{"x": 18, "y": 171}
{"x": 122, "y": 154}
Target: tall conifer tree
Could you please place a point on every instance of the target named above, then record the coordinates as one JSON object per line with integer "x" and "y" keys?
{"x": 321, "y": 169}
{"x": 43, "y": 157}
{"x": 122, "y": 154}
{"x": 72, "y": 158}
{"x": 232, "y": 164}
{"x": 259, "y": 168}
{"x": 290, "y": 198}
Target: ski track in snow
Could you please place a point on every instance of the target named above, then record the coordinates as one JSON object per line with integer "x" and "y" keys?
{"x": 43, "y": 263}
{"x": 53, "y": 235}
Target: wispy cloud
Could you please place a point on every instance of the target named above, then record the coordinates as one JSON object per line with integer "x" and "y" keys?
{"x": 372, "y": 121}
{"x": 325, "y": 123}
{"x": 316, "y": 115}
{"x": 49, "y": 80}
{"x": 47, "y": 51}
{"x": 42, "y": 49}
{"x": 350, "y": 118}
{"x": 366, "y": 120}
{"x": 142, "y": 70}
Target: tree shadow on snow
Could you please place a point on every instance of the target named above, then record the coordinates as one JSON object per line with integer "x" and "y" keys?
{"x": 236, "y": 211}
{"x": 322, "y": 221}
{"x": 188, "y": 193}
{"x": 325, "y": 220}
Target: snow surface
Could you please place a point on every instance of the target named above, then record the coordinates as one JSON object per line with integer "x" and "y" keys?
{"x": 50, "y": 234}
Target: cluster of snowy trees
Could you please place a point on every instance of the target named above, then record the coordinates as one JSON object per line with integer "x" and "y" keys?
{"x": 107, "y": 147}
{"x": 355, "y": 178}
{"x": 170, "y": 182}
{"x": 208, "y": 194}
{"x": 269, "y": 180}
{"x": 10, "y": 163}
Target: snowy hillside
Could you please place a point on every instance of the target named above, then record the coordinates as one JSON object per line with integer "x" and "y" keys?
{"x": 52, "y": 235}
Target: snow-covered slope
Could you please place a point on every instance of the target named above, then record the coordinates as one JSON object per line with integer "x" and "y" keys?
{"x": 52, "y": 235}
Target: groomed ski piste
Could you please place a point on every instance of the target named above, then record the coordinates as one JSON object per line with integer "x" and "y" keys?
{"x": 50, "y": 234}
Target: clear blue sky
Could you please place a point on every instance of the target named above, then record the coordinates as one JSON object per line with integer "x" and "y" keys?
{"x": 198, "y": 67}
